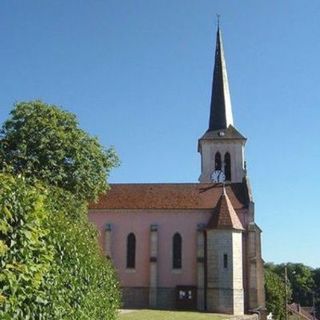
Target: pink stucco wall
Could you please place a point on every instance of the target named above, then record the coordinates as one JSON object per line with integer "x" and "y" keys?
{"x": 139, "y": 221}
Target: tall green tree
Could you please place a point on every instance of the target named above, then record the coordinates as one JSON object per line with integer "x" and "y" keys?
{"x": 301, "y": 281}
{"x": 64, "y": 274}
{"x": 44, "y": 142}
{"x": 316, "y": 278}
{"x": 275, "y": 288}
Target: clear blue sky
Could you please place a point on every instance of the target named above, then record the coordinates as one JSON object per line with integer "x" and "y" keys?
{"x": 138, "y": 75}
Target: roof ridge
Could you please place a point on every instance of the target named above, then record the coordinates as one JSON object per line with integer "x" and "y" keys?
{"x": 173, "y": 183}
{"x": 170, "y": 196}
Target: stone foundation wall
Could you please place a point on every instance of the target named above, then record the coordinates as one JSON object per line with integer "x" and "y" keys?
{"x": 226, "y": 301}
{"x": 135, "y": 297}
{"x": 166, "y": 298}
{"x": 138, "y": 297}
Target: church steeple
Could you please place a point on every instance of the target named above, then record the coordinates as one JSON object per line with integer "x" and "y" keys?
{"x": 222, "y": 145}
{"x": 221, "y": 110}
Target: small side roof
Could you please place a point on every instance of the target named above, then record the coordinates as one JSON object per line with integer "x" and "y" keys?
{"x": 225, "y": 216}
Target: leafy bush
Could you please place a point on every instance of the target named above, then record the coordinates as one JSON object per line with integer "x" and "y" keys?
{"x": 25, "y": 255}
{"x": 83, "y": 284}
{"x": 51, "y": 267}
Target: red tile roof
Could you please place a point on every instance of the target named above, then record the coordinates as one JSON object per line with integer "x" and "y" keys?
{"x": 225, "y": 217}
{"x": 170, "y": 196}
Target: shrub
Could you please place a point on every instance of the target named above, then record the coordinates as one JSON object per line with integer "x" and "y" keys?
{"x": 51, "y": 267}
{"x": 82, "y": 284}
{"x": 25, "y": 255}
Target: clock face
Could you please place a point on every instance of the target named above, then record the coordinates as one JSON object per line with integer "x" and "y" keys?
{"x": 218, "y": 176}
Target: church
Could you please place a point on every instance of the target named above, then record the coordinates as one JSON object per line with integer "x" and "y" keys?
{"x": 192, "y": 246}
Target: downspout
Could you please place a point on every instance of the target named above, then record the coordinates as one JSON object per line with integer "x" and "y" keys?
{"x": 205, "y": 271}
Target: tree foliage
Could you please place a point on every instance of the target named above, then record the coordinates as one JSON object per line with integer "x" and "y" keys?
{"x": 44, "y": 142}
{"x": 51, "y": 266}
{"x": 25, "y": 256}
{"x": 303, "y": 282}
{"x": 275, "y": 288}
{"x": 316, "y": 278}
{"x": 82, "y": 282}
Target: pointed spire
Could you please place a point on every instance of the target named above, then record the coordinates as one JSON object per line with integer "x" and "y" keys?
{"x": 221, "y": 110}
{"x": 225, "y": 216}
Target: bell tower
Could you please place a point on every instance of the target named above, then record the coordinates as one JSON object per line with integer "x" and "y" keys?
{"x": 222, "y": 145}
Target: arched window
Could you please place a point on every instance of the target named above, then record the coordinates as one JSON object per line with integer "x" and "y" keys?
{"x": 177, "y": 251}
{"x": 131, "y": 251}
{"x": 227, "y": 166}
{"x": 217, "y": 161}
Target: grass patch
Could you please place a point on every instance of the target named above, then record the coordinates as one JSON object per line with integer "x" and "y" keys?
{"x": 169, "y": 315}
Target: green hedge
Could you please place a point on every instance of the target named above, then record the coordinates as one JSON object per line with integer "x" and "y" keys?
{"x": 51, "y": 265}
{"x": 83, "y": 283}
{"x": 25, "y": 255}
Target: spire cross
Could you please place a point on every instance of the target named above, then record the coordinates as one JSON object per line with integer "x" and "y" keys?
{"x": 218, "y": 20}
